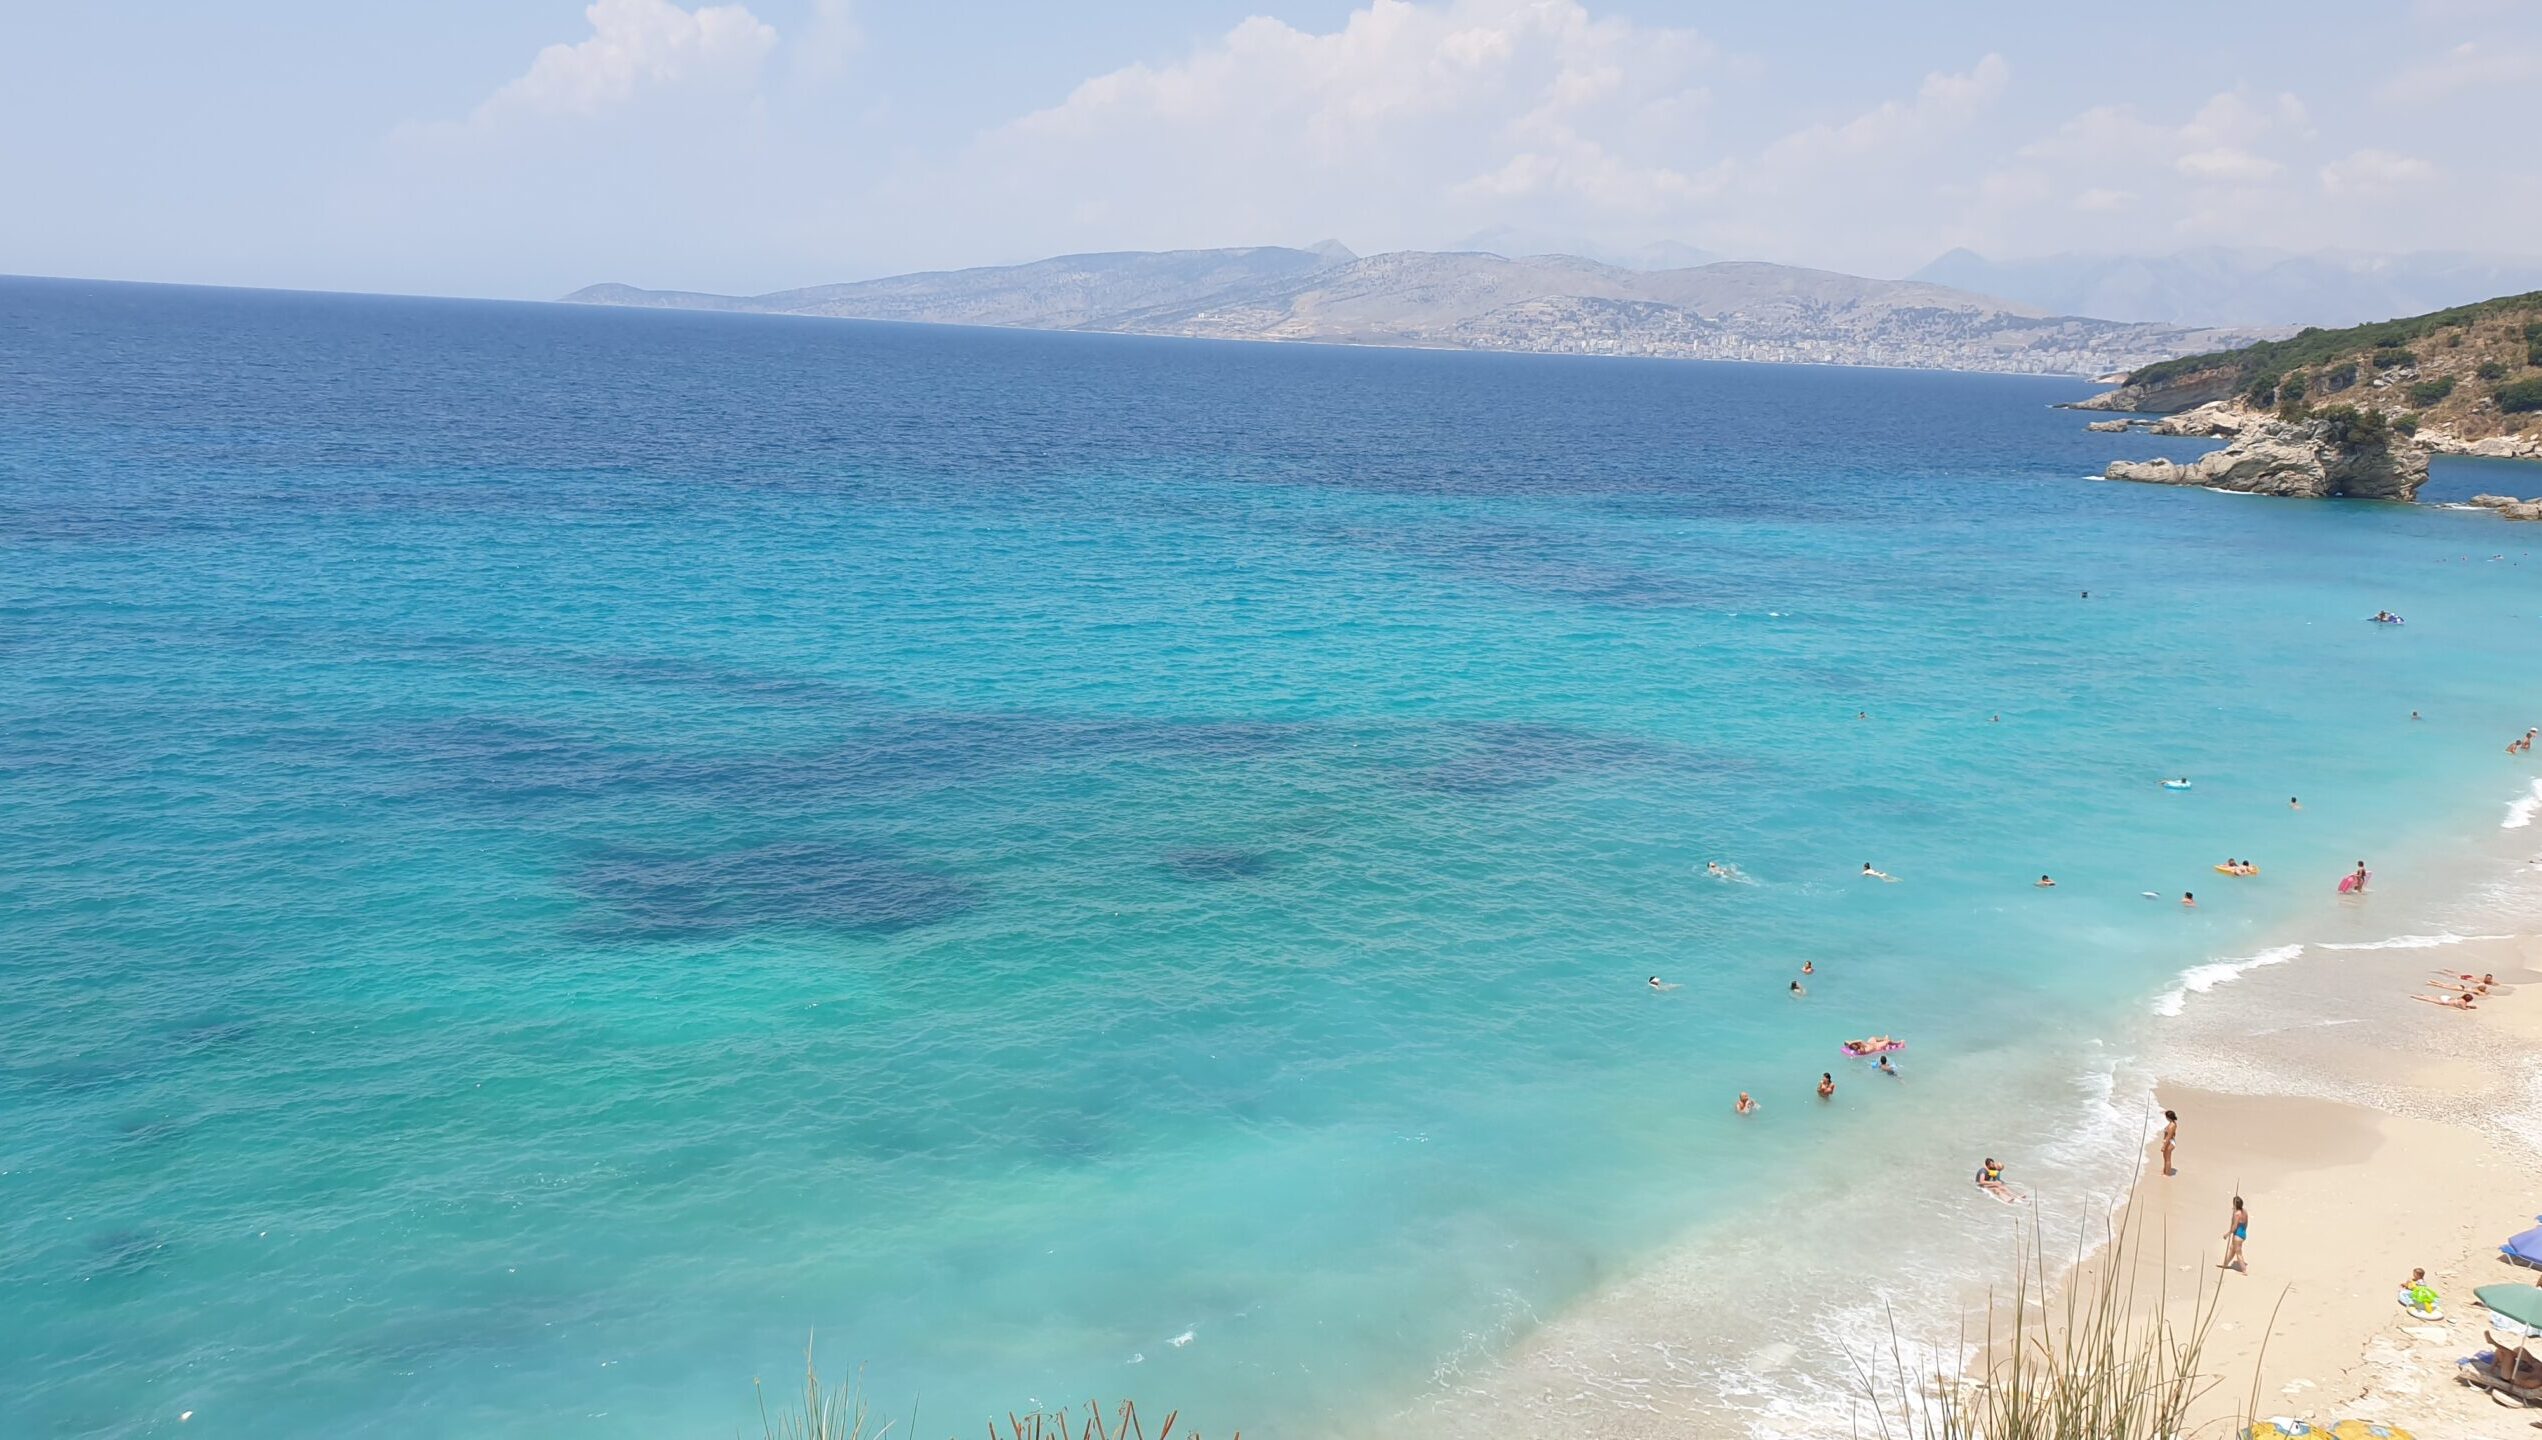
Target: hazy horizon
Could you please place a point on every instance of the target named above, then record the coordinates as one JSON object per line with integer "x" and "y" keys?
{"x": 523, "y": 150}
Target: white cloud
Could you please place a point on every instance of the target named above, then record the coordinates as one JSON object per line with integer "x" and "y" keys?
{"x": 2100, "y": 201}
{"x": 636, "y": 46}
{"x": 2466, "y": 69}
{"x": 2372, "y": 172}
{"x": 1463, "y": 113}
{"x": 2226, "y": 163}
{"x": 1944, "y": 103}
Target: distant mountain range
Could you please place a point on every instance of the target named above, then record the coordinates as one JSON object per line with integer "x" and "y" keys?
{"x": 2225, "y": 286}
{"x": 1557, "y": 304}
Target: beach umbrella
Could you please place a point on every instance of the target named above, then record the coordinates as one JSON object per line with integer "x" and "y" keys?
{"x": 2526, "y": 1247}
{"x": 2520, "y": 1303}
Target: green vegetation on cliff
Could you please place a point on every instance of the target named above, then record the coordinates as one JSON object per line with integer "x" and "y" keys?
{"x": 2468, "y": 374}
{"x": 2383, "y": 344}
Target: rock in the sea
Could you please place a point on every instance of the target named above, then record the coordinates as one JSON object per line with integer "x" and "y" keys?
{"x": 2495, "y": 502}
{"x": 2522, "y": 510}
{"x": 2108, "y": 427}
{"x": 2294, "y": 458}
{"x": 2217, "y": 417}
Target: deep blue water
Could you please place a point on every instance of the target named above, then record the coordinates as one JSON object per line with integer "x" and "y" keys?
{"x": 547, "y": 852}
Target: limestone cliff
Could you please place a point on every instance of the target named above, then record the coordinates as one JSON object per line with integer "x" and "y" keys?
{"x": 2338, "y": 453}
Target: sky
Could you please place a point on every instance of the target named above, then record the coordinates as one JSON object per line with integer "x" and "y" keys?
{"x": 523, "y": 148}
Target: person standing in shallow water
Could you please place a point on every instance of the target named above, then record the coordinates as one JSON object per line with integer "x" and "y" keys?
{"x": 1826, "y": 1086}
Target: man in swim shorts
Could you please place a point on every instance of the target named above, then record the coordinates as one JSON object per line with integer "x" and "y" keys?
{"x": 1990, "y": 1178}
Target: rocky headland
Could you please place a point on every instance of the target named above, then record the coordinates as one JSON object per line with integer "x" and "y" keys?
{"x": 2321, "y": 456}
{"x": 2350, "y": 413}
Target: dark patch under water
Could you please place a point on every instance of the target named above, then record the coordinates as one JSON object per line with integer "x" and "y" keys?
{"x": 1218, "y": 864}
{"x": 645, "y": 895}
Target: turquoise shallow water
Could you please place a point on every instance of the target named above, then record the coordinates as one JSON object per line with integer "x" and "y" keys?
{"x": 548, "y": 852}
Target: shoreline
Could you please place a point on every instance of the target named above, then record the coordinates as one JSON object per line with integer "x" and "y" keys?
{"x": 2363, "y": 1150}
{"x": 2408, "y": 1135}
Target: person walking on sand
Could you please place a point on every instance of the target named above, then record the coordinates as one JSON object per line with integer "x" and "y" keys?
{"x": 2170, "y": 1137}
{"x": 2234, "y": 1235}
{"x": 1826, "y": 1086}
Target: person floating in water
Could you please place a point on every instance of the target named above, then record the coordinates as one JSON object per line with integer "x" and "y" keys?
{"x": 1826, "y": 1086}
{"x": 1870, "y": 874}
{"x": 2294, "y": 804}
{"x": 2188, "y": 900}
{"x": 1809, "y": 967}
{"x": 1885, "y": 1067}
{"x": 1713, "y": 868}
{"x": 1797, "y": 991}
{"x": 1746, "y": 1106}
{"x": 1659, "y": 984}
{"x": 2046, "y": 884}
{"x": 2413, "y": 714}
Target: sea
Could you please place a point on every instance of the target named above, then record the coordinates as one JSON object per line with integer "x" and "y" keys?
{"x": 552, "y": 857}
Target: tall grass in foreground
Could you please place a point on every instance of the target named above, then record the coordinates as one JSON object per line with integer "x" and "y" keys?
{"x": 843, "y": 1413}
{"x": 2102, "y": 1361}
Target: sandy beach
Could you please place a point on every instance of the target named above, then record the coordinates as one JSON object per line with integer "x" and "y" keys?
{"x": 2367, "y": 1134}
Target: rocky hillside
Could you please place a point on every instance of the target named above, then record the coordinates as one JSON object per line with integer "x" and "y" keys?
{"x": 1552, "y": 304}
{"x": 2466, "y": 380}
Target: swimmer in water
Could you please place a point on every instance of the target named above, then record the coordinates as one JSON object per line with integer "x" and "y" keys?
{"x": 1809, "y": 967}
{"x": 1746, "y": 1106}
{"x": 1870, "y": 874}
{"x": 2360, "y": 878}
{"x": 1713, "y": 868}
{"x": 1797, "y": 991}
{"x": 1994, "y": 719}
{"x": 1659, "y": 984}
{"x": 2188, "y": 900}
{"x": 1886, "y": 1068}
{"x": 1826, "y": 1086}
{"x": 2294, "y": 804}
{"x": 2413, "y": 714}
{"x": 2046, "y": 884}
{"x": 1990, "y": 1178}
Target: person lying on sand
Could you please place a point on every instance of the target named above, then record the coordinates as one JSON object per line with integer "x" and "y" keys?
{"x": 2450, "y": 988}
{"x": 2459, "y": 1002}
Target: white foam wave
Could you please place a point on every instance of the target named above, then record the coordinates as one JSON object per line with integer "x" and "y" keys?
{"x": 2411, "y": 942}
{"x": 2199, "y": 979}
{"x": 2520, "y": 811}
